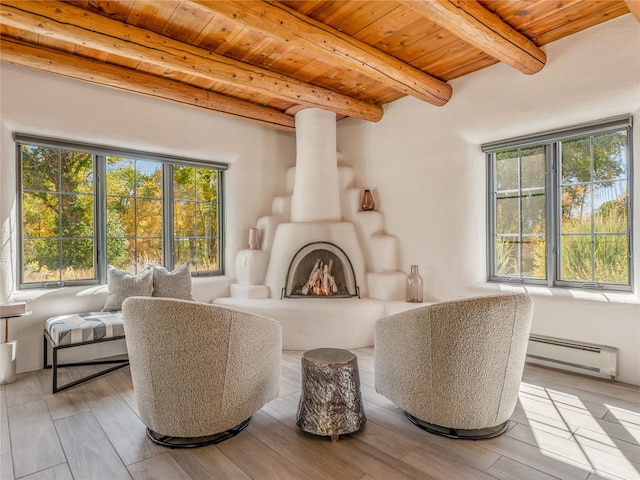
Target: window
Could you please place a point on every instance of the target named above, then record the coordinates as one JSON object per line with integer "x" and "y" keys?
{"x": 560, "y": 207}
{"x": 85, "y": 207}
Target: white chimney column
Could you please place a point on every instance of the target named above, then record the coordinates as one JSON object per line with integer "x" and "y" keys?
{"x": 316, "y": 196}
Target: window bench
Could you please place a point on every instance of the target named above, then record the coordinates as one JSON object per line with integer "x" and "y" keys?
{"x": 79, "y": 329}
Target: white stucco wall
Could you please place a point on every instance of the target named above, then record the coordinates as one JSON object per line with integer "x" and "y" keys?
{"x": 428, "y": 173}
{"x": 47, "y": 105}
{"x": 423, "y": 164}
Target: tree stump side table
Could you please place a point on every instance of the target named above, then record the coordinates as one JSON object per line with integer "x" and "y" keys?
{"x": 330, "y": 400}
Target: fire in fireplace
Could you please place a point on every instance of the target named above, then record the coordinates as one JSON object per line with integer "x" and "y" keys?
{"x": 320, "y": 270}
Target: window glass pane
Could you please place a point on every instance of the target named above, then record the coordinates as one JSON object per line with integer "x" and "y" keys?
{"x": 507, "y": 214}
{"x": 118, "y": 252}
{"x": 576, "y": 258}
{"x": 121, "y": 176}
{"x": 534, "y": 257}
{"x": 532, "y": 167}
{"x": 77, "y": 172}
{"x": 576, "y": 161}
{"x": 207, "y": 219}
{"x": 148, "y": 252}
{"x": 196, "y": 217}
{"x": 184, "y": 187}
{"x": 77, "y": 215}
{"x": 533, "y": 212}
{"x": 134, "y": 204}
{"x": 39, "y": 215}
{"x": 77, "y": 259}
{"x": 598, "y": 204}
{"x": 507, "y": 170}
{"x": 576, "y": 211}
{"x": 507, "y": 256}
{"x": 184, "y": 250}
{"x": 149, "y": 218}
{"x": 609, "y": 156}
{"x": 57, "y": 215}
{"x": 207, "y": 185}
{"x": 611, "y": 259}
{"x": 611, "y": 207}
{"x": 40, "y": 168}
{"x": 41, "y": 260}
{"x": 120, "y": 217}
{"x": 207, "y": 254}
{"x": 576, "y": 204}
{"x": 149, "y": 179}
{"x": 184, "y": 216}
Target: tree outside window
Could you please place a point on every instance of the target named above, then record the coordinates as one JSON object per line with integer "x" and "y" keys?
{"x": 560, "y": 210}
{"x": 139, "y": 211}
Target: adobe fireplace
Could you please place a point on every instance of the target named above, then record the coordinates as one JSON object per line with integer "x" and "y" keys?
{"x": 328, "y": 251}
{"x": 320, "y": 270}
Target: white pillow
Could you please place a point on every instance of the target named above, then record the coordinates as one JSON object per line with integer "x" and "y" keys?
{"x": 176, "y": 284}
{"x": 121, "y": 285}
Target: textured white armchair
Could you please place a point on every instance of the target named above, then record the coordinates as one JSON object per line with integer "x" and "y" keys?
{"x": 199, "y": 371}
{"x": 455, "y": 367}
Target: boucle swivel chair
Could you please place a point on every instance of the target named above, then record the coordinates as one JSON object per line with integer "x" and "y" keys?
{"x": 199, "y": 371}
{"x": 455, "y": 367}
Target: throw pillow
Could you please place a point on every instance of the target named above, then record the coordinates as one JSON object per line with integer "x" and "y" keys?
{"x": 176, "y": 284}
{"x": 121, "y": 285}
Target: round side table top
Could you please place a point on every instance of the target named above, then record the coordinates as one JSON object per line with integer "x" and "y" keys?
{"x": 329, "y": 356}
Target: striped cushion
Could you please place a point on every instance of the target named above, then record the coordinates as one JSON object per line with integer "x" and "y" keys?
{"x": 85, "y": 327}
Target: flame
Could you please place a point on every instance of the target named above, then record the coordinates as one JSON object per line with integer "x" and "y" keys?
{"x": 320, "y": 282}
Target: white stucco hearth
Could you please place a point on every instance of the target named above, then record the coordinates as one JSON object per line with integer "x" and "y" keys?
{"x": 322, "y": 322}
{"x": 317, "y": 322}
{"x": 321, "y": 206}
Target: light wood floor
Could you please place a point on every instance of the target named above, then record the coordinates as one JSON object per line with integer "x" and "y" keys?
{"x": 565, "y": 426}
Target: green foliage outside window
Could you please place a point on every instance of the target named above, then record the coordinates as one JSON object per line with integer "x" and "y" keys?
{"x": 592, "y": 219}
{"x": 195, "y": 217}
{"x": 60, "y": 205}
{"x": 58, "y": 214}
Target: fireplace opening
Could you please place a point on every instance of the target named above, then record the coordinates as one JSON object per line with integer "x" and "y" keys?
{"x": 320, "y": 270}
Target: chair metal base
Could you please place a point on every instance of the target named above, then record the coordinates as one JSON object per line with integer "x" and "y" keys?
{"x": 460, "y": 433}
{"x": 194, "y": 442}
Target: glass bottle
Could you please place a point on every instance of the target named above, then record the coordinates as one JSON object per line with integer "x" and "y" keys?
{"x": 414, "y": 286}
{"x": 367, "y": 201}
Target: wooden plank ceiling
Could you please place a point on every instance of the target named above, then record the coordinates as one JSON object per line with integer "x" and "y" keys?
{"x": 263, "y": 61}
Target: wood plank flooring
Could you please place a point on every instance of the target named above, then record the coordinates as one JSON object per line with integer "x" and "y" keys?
{"x": 565, "y": 426}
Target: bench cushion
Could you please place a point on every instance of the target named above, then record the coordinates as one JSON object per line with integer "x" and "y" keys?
{"x": 85, "y": 327}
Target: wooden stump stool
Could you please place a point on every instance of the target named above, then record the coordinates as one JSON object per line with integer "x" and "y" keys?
{"x": 330, "y": 400}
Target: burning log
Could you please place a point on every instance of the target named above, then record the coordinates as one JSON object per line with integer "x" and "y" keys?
{"x": 320, "y": 281}
{"x": 313, "y": 277}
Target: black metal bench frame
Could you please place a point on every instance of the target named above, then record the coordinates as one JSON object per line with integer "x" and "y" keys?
{"x": 120, "y": 363}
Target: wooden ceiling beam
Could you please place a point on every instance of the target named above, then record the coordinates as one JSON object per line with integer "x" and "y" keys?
{"x": 25, "y": 55}
{"x": 634, "y": 8}
{"x": 316, "y": 38}
{"x": 65, "y": 22}
{"x": 471, "y": 22}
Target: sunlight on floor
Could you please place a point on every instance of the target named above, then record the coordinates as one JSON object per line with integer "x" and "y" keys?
{"x": 600, "y": 439}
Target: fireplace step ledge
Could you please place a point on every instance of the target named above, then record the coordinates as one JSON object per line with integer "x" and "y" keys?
{"x": 239, "y": 291}
{"x": 317, "y": 322}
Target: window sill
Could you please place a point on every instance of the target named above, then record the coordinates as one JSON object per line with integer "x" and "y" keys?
{"x": 572, "y": 293}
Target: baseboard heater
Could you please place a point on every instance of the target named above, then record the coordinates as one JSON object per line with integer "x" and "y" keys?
{"x": 597, "y": 360}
